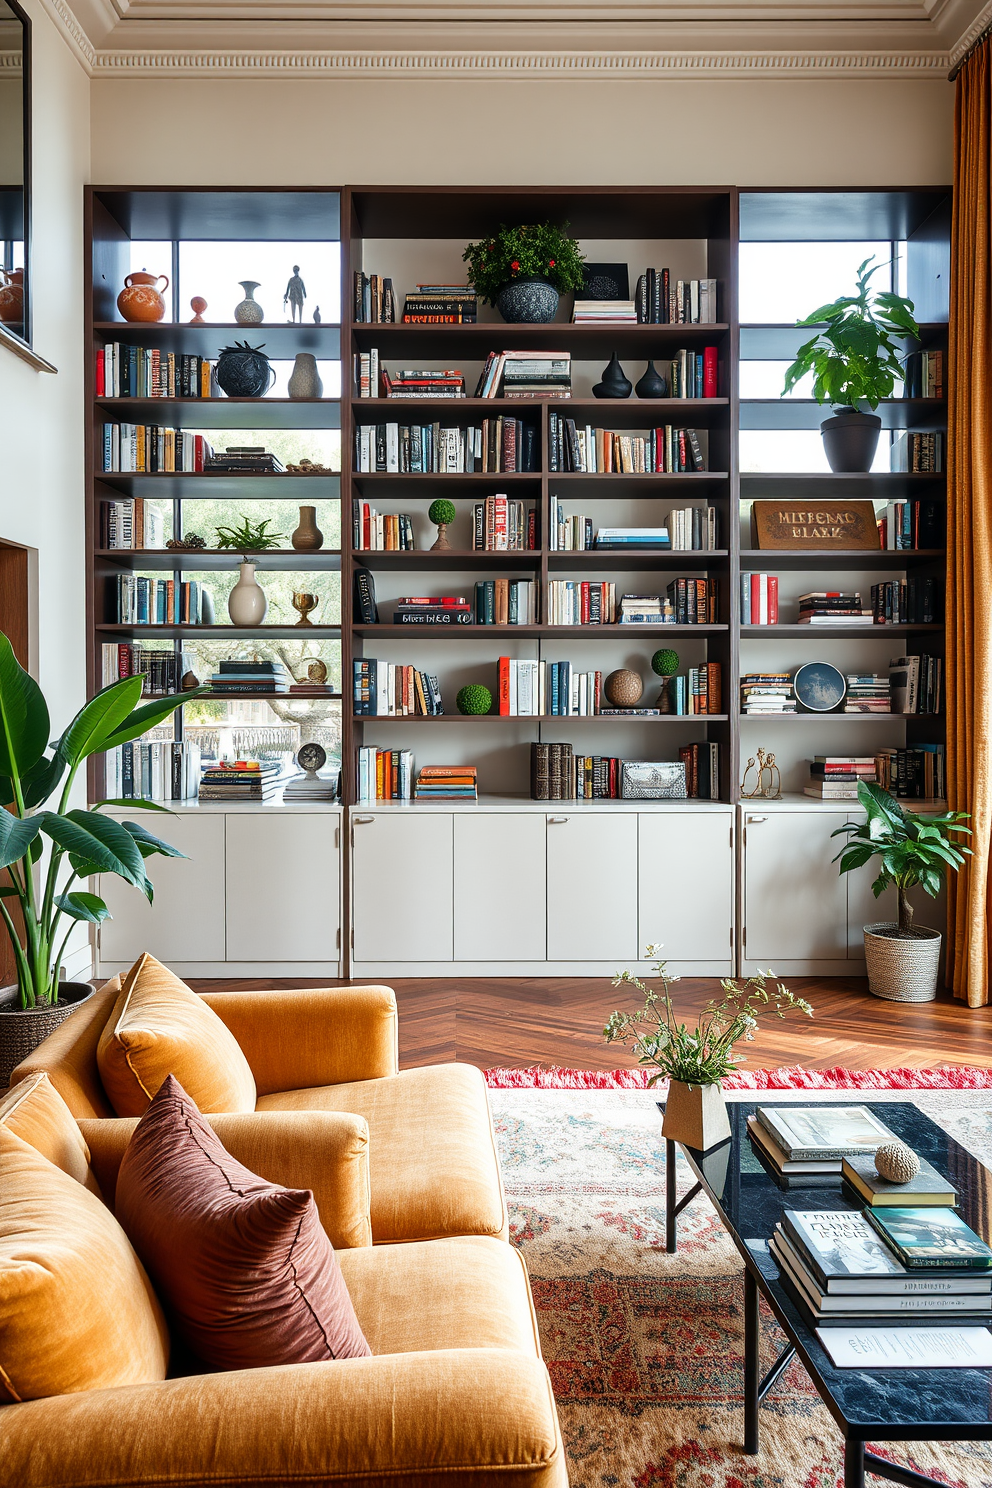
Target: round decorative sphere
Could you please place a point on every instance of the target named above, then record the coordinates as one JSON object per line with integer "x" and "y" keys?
{"x": 474, "y": 698}
{"x": 896, "y": 1163}
{"x": 311, "y": 757}
{"x": 623, "y": 688}
{"x": 665, "y": 662}
{"x": 442, "y": 513}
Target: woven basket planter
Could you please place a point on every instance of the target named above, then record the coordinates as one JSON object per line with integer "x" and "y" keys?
{"x": 901, "y": 968}
{"x": 21, "y": 1032}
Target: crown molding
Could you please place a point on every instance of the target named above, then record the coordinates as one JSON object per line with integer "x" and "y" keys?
{"x": 971, "y": 35}
{"x": 73, "y": 33}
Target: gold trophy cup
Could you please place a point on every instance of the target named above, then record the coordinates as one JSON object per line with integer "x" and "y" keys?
{"x": 304, "y": 603}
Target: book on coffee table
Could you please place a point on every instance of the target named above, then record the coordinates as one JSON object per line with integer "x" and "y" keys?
{"x": 823, "y": 1133}
{"x": 791, "y": 1172}
{"x": 931, "y": 1238}
{"x": 925, "y": 1188}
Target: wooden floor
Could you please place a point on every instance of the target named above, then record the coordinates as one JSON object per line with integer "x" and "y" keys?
{"x": 556, "y": 1020}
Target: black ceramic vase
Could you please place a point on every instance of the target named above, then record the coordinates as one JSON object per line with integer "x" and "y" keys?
{"x": 614, "y": 383}
{"x": 651, "y": 384}
{"x": 528, "y": 302}
{"x": 850, "y": 440}
{"x": 244, "y": 371}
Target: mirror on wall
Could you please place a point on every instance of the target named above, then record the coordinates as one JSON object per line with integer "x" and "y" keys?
{"x": 15, "y": 230}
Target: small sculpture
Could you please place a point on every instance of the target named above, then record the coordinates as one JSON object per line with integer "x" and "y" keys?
{"x": 311, "y": 758}
{"x": 623, "y": 688}
{"x": 896, "y": 1163}
{"x": 244, "y": 371}
{"x": 303, "y": 603}
{"x": 296, "y": 293}
{"x": 190, "y": 681}
{"x": 317, "y": 673}
{"x": 442, "y": 513}
{"x": 651, "y": 383}
{"x": 308, "y": 467}
{"x": 614, "y": 384}
{"x": 198, "y": 304}
{"x": 665, "y": 663}
{"x": 770, "y": 788}
{"x": 191, "y": 542}
{"x": 316, "y": 315}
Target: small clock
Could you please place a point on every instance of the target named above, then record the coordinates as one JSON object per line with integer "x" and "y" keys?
{"x": 311, "y": 758}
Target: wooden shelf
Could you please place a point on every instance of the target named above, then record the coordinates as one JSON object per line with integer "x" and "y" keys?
{"x": 224, "y": 696}
{"x": 219, "y": 632}
{"x": 281, "y": 340}
{"x": 821, "y": 718}
{"x": 695, "y": 719}
{"x": 584, "y": 342}
{"x": 602, "y": 485}
{"x": 836, "y": 632}
{"x": 878, "y": 484}
{"x": 760, "y": 560}
{"x": 564, "y": 632}
{"x": 426, "y": 559}
{"x": 217, "y": 560}
{"x": 195, "y": 486}
{"x": 226, "y": 413}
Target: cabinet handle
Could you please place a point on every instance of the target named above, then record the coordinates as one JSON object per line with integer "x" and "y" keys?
{"x": 362, "y": 821}
{"x": 556, "y": 821}
{"x": 750, "y": 820}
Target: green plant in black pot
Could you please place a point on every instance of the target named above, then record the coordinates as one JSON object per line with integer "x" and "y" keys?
{"x": 523, "y": 270}
{"x": 856, "y": 361}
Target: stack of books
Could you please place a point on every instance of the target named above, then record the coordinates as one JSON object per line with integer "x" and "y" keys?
{"x": 835, "y": 777}
{"x": 662, "y": 300}
{"x": 804, "y": 1145}
{"x": 447, "y": 783}
{"x": 422, "y": 383}
{"x": 644, "y": 609}
{"x": 604, "y": 312}
{"x": 900, "y": 1268}
{"x": 382, "y": 689}
{"x": 526, "y": 374}
{"x": 867, "y": 692}
{"x": 244, "y": 780}
{"x": 506, "y": 602}
{"x": 444, "y": 609}
{"x": 385, "y": 774}
{"x": 768, "y": 693}
{"x": 244, "y": 459}
{"x": 831, "y": 607}
{"x": 632, "y": 537}
{"x": 250, "y": 676}
{"x": 441, "y": 304}
{"x": 759, "y": 599}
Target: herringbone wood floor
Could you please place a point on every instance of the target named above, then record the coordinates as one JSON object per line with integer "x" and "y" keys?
{"x": 559, "y": 1020}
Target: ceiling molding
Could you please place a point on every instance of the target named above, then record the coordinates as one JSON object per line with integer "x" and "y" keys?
{"x": 971, "y": 35}
{"x": 73, "y": 32}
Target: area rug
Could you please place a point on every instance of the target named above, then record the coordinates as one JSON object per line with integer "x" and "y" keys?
{"x": 795, "y": 1077}
{"x": 646, "y": 1349}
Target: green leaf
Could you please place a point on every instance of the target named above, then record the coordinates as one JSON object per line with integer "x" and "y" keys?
{"x": 80, "y": 905}
{"x": 150, "y": 716}
{"x": 129, "y": 801}
{"x": 16, "y": 837}
{"x": 149, "y": 845}
{"x": 99, "y": 842}
{"x": 98, "y": 719}
{"x": 24, "y": 721}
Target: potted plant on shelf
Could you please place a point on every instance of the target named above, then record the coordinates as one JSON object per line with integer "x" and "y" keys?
{"x": 523, "y": 270}
{"x": 855, "y": 359}
{"x": 38, "y": 894}
{"x": 913, "y": 850}
{"x": 695, "y": 1060}
{"x": 247, "y": 603}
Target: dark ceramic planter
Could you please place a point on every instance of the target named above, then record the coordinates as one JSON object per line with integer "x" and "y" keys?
{"x": 21, "y": 1032}
{"x": 244, "y": 371}
{"x": 850, "y": 440}
{"x": 528, "y": 302}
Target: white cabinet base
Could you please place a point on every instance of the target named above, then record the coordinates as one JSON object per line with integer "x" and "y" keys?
{"x": 507, "y": 970}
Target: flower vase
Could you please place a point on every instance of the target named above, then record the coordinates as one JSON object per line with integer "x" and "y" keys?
{"x": 695, "y": 1115}
{"x": 249, "y": 311}
{"x": 308, "y": 537}
{"x": 246, "y": 603}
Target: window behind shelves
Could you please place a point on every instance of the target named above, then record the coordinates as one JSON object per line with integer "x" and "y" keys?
{"x": 214, "y": 270}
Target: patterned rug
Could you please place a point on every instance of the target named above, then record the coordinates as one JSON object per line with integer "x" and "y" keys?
{"x": 646, "y": 1349}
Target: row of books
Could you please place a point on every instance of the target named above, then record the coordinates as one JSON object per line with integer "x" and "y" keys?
{"x": 149, "y": 448}
{"x": 240, "y": 780}
{"x": 372, "y": 299}
{"x": 904, "y": 525}
{"x": 498, "y": 446}
{"x": 505, "y": 602}
{"x": 662, "y": 300}
{"x": 153, "y": 770}
{"x": 501, "y": 524}
{"x": 924, "y": 374}
{"x": 367, "y": 374}
{"x": 914, "y": 600}
{"x": 124, "y": 371}
{"x": 131, "y": 523}
{"x": 693, "y": 374}
{"x": 384, "y": 774}
{"x": 383, "y": 689}
{"x": 380, "y": 532}
{"x": 918, "y": 453}
{"x": 145, "y": 600}
{"x": 589, "y": 450}
{"x": 916, "y": 684}
{"x": 558, "y": 774}
{"x": 694, "y": 601}
{"x": 161, "y": 672}
{"x": 759, "y": 599}
{"x": 700, "y": 690}
{"x": 543, "y": 689}
{"x": 575, "y": 534}
{"x": 526, "y": 374}
{"x": 580, "y": 602}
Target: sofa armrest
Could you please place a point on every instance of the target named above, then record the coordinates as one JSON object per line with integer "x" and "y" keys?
{"x": 465, "y": 1416}
{"x": 325, "y": 1151}
{"x": 294, "y": 1039}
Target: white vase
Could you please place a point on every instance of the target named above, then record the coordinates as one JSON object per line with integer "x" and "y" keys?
{"x": 246, "y": 603}
{"x": 305, "y": 380}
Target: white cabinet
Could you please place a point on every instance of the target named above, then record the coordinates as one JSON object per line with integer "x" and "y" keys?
{"x": 402, "y": 886}
{"x": 500, "y": 885}
{"x": 283, "y": 887}
{"x": 186, "y": 920}
{"x": 685, "y": 888}
{"x": 795, "y": 901}
{"x": 592, "y": 886}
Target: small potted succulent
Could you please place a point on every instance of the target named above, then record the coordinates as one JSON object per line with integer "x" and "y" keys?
{"x": 695, "y": 1060}
{"x": 855, "y": 359}
{"x": 442, "y": 513}
{"x": 912, "y": 850}
{"x": 523, "y": 270}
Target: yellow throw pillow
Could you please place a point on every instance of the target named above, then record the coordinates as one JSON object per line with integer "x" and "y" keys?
{"x": 77, "y": 1311}
{"x": 158, "y": 1028}
{"x": 34, "y": 1111}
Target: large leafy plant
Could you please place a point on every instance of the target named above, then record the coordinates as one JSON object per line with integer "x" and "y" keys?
{"x": 911, "y": 849}
{"x": 855, "y": 357}
{"x": 82, "y": 842}
{"x": 539, "y": 250}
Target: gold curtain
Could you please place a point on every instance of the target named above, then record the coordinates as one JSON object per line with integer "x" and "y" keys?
{"x": 969, "y": 540}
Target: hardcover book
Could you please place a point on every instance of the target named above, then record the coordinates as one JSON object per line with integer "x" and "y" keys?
{"x": 927, "y": 1187}
{"x": 932, "y": 1237}
{"x": 839, "y": 1243}
{"x": 808, "y": 1132}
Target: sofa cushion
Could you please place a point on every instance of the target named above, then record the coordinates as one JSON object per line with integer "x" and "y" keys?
{"x": 433, "y": 1168}
{"x": 77, "y": 1311}
{"x": 244, "y": 1265}
{"x": 159, "y": 1027}
{"x": 34, "y": 1111}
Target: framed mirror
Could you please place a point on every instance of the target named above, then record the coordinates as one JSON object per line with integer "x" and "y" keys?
{"x": 15, "y": 172}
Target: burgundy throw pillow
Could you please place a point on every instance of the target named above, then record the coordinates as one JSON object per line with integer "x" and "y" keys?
{"x": 243, "y": 1265}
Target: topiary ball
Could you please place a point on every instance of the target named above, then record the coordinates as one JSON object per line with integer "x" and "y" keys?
{"x": 441, "y": 512}
{"x": 623, "y": 688}
{"x": 665, "y": 662}
{"x": 475, "y": 698}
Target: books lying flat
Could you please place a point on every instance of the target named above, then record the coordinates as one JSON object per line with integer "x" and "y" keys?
{"x": 927, "y": 1187}
{"x": 807, "y": 1133}
{"x": 814, "y": 1170}
{"x": 931, "y": 1238}
{"x": 844, "y": 1252}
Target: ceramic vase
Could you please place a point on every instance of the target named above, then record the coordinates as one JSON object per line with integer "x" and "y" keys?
{"x": 308, "y": 537}
{"x": 246, "y": 603}
{"x": 141, "y": 301}
{"x": 695, "y": 1115}
{"x": 249, "y": 312}
{"x": 304, "y": 381}
{"x": 614, "y": 384}
{"x": 528, "y": 302}
{"x": 651, "y": 384}
{"x": 244, "y": 371}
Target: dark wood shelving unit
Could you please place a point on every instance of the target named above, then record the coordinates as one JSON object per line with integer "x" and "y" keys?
{"x": 560, "y": 719}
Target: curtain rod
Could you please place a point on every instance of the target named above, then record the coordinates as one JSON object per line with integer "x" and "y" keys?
{"x": 983, "y": 36}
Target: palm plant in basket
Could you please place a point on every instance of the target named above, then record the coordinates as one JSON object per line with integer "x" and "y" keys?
{"x": 40, "y": 898}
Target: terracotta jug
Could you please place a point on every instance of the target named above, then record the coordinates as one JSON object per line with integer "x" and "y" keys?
{"x": 12, "y": 296}
{"x": 140, "y": 300}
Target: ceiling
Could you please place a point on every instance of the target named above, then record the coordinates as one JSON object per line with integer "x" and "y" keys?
{"x": 521, "y": 37}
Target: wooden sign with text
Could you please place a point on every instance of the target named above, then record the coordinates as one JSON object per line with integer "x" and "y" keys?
{"x": 841, "y": 525}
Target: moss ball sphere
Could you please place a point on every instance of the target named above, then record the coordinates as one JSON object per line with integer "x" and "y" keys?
{"x": 623, "y": 688}
{"x": 896, "y": 1163}
{"x": 441, "y": 512}
{"x": 474, "y": 698}
{"x": 665, "y": 662}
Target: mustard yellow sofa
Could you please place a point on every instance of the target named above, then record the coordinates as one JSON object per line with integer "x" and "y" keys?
{"x": 431, "y": 1156}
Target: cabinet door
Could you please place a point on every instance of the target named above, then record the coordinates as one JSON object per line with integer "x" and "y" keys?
{"x": 186, "y": 921}
{"x": 795, "y": 901}
{"x": 592, "y": 887}
{"x": 282, "y": 886}
{"x": 500, "y": 887}
{"x": 685, "y": 880}
{"x": 402, "y": 887}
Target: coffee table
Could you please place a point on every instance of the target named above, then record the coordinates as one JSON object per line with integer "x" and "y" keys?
{"x": 868, "y": 1405}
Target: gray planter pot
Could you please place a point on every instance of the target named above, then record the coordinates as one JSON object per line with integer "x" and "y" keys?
{"x": 695, "y": 1115}
{"x": 21, "y": 1032}
{"x": 850, "y": 440}
{"x": 901, "y": 968}
{"x": 528, "y": 301}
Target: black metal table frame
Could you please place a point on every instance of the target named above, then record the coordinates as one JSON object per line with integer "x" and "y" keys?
{"x": 856, "y": 1460}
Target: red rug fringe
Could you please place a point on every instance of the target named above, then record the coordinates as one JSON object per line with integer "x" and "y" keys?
{"x": 552, "y": 1077}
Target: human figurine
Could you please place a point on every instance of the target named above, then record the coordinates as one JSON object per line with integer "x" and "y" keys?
{"x": 295, "y": 295}
{"x": 316, "y": 315}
